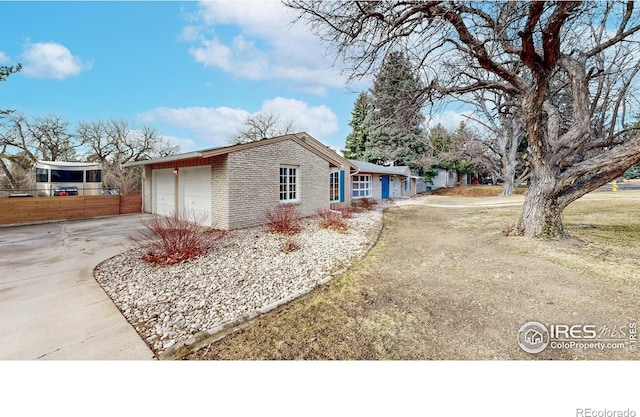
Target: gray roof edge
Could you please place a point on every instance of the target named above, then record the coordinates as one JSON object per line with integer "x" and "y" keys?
{"x": 364, "y": 166}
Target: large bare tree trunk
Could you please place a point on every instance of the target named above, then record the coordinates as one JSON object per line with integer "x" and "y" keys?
{"x": 542, "y": 211}
{"x": 507, "y": 185}
{"x": 541, "y": 214}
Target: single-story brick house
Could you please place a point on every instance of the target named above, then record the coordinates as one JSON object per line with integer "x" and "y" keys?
{"x": 233, "y": 186}
{"x": 381, "y": 182}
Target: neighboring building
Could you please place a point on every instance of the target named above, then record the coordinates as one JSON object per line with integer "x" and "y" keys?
{"x": 233, "y": 186}
{"x": 57, "y": 178}
{"x": 381, "y": 182}
{"x": 445, "y": 178}
{"x": 421, "y": 185}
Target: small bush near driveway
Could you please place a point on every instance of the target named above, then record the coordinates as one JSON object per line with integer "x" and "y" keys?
{"x": 169, "y": 240}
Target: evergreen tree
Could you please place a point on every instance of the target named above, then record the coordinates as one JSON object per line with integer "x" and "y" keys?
{"x": 395, "y": 132}
{"x": 357, "y": 140}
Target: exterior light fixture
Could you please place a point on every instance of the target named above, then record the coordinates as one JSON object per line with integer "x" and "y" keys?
{"x": 175, "y": 171}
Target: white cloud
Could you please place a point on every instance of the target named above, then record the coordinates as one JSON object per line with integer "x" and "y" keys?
{"x": 212, "y": 125}
{"x": 318, "y": 121}
{"x": 51, "y": 60}
{"x": 185, "y": 145}
{"x": 451, "y": 120}
{"x": 267, "y": 48}
{"x": 241, "y": 58}
{"x": 190, "y": 34}
{"x": 215, "y": 126}
{"x": 3, "y": 58}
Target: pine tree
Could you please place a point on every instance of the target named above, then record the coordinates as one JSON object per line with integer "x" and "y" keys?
{"x": 395, "y": 132}
{"x": 357, "y": 140}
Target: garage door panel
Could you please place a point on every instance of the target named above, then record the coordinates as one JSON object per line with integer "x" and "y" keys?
{"x": 163, "y": 197}
{"x": 195, "y": 193}
{"x": 197, "y": 188}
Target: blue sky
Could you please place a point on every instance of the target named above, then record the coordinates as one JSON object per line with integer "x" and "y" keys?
{"x": 193, "y": 70}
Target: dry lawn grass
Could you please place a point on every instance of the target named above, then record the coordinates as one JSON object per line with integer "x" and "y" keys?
{"x": 445, "y": 283}
{"x": 605, "y": 239}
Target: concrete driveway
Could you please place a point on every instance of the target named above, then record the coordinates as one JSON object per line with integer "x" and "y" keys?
{"x": 51, "y": 307}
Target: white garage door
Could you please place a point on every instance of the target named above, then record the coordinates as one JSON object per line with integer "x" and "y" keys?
{"x": 163, "y": 192}
{"x": 195, "y": 193}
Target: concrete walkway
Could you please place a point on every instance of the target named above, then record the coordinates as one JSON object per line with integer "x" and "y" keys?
{"x": 51, "y": 307}
{"x": 459, "y": 202}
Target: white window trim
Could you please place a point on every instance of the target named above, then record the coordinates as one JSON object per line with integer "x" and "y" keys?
{"x": 369, "y": 189}
{"x": 337, "y": 174}
{"x": 297, "y": 184}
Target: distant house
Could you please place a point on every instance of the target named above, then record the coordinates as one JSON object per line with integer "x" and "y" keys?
{"x": 57, "y": 178}
{"x": 447, "y": 177}
{"x": 443, "y": 179}
{"x": 381, "y": 182}
{"x": 233, "y": 186}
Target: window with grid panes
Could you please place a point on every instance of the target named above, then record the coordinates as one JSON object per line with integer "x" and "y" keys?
{"x": 361, "y": 186}
{"x": 288, "y": 184}
{"x": 334, "y": 186}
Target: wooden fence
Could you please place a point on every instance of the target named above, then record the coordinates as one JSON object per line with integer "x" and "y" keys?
{"x": 130, "y": 204}
{"x": 41, "y": 209}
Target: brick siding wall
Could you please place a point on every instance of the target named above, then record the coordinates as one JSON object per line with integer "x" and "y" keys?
{"x": 220, "y": 192}
{"x": 254, "y": 178}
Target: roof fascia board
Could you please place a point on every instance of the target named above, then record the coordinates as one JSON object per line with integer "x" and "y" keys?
{"x": 171, "y": 158}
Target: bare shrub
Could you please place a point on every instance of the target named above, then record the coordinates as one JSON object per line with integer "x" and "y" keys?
{"x": 169, "y": 240}
{"x": 290, "y": 246}
{"x": 365, "y": 203}
{"x": 332, "y": 220}
{"x": 284, "y": 219}
{"x": 346, "y": 212}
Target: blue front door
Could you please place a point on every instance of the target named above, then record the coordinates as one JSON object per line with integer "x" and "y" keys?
{"x": 385, "y": 186}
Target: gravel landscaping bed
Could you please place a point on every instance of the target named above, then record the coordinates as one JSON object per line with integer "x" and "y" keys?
{"x": 246, "y": 271}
